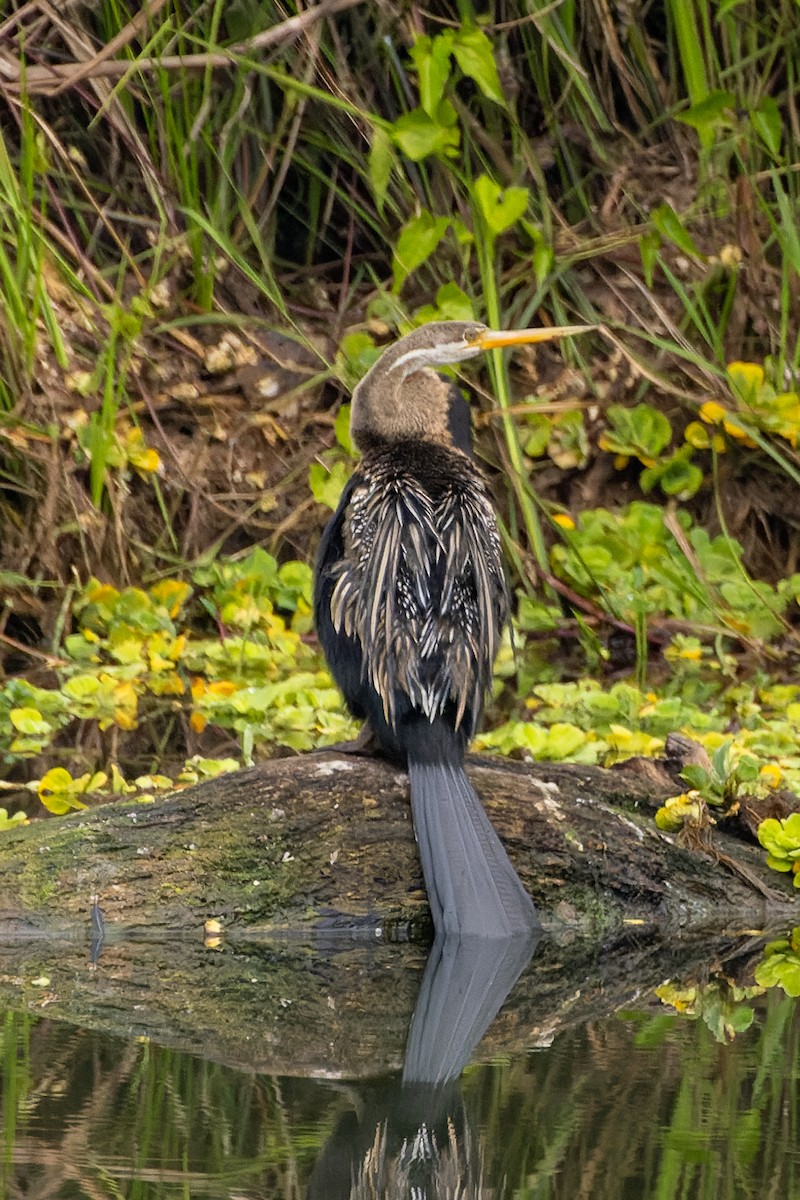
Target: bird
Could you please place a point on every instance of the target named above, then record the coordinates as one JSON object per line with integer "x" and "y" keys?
{"x": 410, "y": 603}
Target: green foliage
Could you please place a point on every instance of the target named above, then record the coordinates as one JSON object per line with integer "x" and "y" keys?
{"x": 633, "y": 562}
{"x": 761, "y": 405}
{"x": 781, "y": 964}
{"x": 641, "y": 432}
{"x": 129, "y": 663}
{"x": 722, "y": 781}
{"x": 11, "y": 822}
{"x": 588, "y": 722}
{"x": 730, "y": 773}
{"x": 26, "y": 254}
{"x": 781, "y": 840}
{"x": 720, "y": 1005}
{"x": 426, "y": 178}
{"x": 59, "y": 792}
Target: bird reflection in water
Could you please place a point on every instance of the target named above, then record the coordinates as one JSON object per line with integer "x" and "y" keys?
{"x": 412, "y": 1138}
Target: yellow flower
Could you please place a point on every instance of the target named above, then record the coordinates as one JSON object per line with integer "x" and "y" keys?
{"x": 697, "y": 435}
{"x": 712, "y": 413}
{"x": 564, "y": 520}
{"x": 747, "y": 378}
{"x": 223, "y": 687}
{"x": 771, "y": 775}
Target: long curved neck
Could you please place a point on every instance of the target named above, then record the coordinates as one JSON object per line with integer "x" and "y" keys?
{"x": 391, "y": 407}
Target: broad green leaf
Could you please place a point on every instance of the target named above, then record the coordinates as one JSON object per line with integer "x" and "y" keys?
{"x": 451, "y": 305}
{"x": 780, "y": 970}
{"x": 768, "y": 124}
{"x": 341, "y": 429}
{"x": 418, "y": 239}
{"x": 676, "y": 477}
{"x": 57, "y": 791}
{"x": 709, "y": 113}
{"x": 327, "y": 484}
{"x": 747, "y": 380}
{"x": 419, "y": 135}
{"x": 472, "y": 51}
{"x": 356, "y": 354}
{"x": 568, "y": 445}
{"x": 641, "y": 432}
{"x": 563, "y": 740}
{"x": 499, "y": 208}
{"x": 29, "y": 720}
{"x": 431, "y": 57}
{"x": 7, "y": 822}
{"x": 536, "y": 434}
{"x": 81, "y": 687}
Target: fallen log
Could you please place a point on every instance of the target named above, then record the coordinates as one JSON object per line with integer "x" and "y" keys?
{"x": 320, "y": 847}
{"x": 325, "y": 841}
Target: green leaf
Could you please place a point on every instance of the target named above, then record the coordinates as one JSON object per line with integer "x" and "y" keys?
{"x": 780, "y": 970}
{"x": 543, "y": 258}
{"x": 356, "y": 354}
{"x": 29, "y": 720}
{"x": 676, "y": 477}
{"x": 451, "y": 305}
{"x": 696, "y": 776}
{"x": 432, "y": 60}
{"x": 670, "y": 226}
{"x": 341, "y": 429}
{"x": 418, "y": 239}
{"x": 419, "y": 135}
{"x": 640, "y": 432}
{"x": 568, "y": 445}
{"x": 563, "y": 740}
{"x": 82, "y": 687}
{"x": 768, "y": 124}
{"x": 327, "y": 484}
{"x": 472, "y": 51}
{"x": 649, "y": 246}
{"x": 536, "y": 434}
{"x": 7, "y": 822}
{"x": 379, "y": 165}
{"x": 499, "y": 209}
{"x": 295, "y": 583}
{"x": 535, "y": 617}
{"x": 711, "y": 112}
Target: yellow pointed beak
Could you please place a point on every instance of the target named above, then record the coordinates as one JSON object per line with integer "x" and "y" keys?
{"x": 493, "y": 339}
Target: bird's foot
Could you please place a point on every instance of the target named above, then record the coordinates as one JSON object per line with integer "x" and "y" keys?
{"x": 366, "y": 743}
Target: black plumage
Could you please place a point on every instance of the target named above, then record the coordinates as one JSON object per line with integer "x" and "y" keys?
{"x": 410, "y": 605}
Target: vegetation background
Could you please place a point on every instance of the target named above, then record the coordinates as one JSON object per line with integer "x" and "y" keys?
{"x": 212, "y": 215}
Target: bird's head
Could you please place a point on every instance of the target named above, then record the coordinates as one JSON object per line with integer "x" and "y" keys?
{"x": 403, "y": 397}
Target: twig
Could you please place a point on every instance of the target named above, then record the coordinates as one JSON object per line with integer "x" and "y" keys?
{"x": 52, "y": 660}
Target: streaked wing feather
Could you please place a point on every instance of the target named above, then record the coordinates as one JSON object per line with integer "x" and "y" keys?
{"x": 421, "y": 587}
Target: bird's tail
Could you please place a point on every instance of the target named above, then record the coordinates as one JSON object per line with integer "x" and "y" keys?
{"x": 473, "y": 890}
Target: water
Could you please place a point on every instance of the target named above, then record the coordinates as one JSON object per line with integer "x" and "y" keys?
{"x": 639, "y": 1104}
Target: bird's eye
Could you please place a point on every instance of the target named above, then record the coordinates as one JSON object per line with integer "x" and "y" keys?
{"x": 473, "y": 332}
